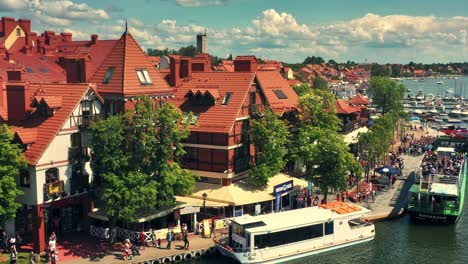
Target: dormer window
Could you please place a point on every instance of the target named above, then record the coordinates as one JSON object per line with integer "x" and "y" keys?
{"x": 44, "y": 70}
{"x": 280, "y": 94}
{"x": 18, "y": 32}
{"x": 144, "y": 77}
{"x": 108, "y": 75}
{"x": 29, "y": 70}
{"x": 227, "y": 98}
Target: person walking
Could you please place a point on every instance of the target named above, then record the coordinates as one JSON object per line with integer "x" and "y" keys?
{"x": 54, "y": 258}
{"x": 142, "y": 239}
{"x": 213, "y": 227}
{"x": 127, "y": 247}
{"x": 13, "y": 256}
{"x": 186, "y": 241}
{"x": 169, "y": 238}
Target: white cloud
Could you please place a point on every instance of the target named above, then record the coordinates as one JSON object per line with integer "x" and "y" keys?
{"x": 198, "y": 3}
{"x": 67, "y": 9}
{"x": 11, "y": 5}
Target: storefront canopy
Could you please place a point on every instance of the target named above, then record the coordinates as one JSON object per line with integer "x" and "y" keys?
{"x": 242, "y": 192}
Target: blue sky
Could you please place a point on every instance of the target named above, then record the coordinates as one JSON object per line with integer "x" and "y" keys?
{"x": 287, "y": 30}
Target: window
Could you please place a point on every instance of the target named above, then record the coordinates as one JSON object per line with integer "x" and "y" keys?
{"x": 329, "y": 228}
{"x": 144, "y": 77}
{"x": 227, "y": 98}
{"x": 44, "y": 70}
{"x": 18, "y": 32}
{"x": 288, "y": 236}
{"x": 25, "y": 179}
{"x": 280, "y": 94}
{"x": 51, "y": 175}
{"x": 29, "y": 70}
{"x": 108, "y": 75}
{"x": 252, "y": 98}
{"x": 86, "y": 108}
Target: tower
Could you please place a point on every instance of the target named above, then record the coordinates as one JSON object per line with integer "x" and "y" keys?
{"x": 202, "y": 45}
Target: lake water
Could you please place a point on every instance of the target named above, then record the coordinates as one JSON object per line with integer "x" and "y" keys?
{"x": 397, "y": 241}
{"x": 430, "y": 86}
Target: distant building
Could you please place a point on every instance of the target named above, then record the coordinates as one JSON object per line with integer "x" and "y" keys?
{"x": 202, "y": 45}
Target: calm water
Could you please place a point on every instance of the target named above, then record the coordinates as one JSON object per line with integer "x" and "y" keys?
{"x": 398, "y": 241}
{"x": 430, "y": 86}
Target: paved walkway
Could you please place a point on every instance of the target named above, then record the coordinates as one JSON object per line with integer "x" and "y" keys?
{"x": 393, "y": 202}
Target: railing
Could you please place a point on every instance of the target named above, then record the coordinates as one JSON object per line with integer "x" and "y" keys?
{"x": 446, "y": 207}
{"x": 351, "y": 126}
{"x": 54, "y": 188}
{"x": 84, "y": 120}
{"x": 78, "y": 153}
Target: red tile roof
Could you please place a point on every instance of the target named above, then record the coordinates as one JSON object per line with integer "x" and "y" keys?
{"x": 270, "y": 81}
{"x": 46, "y": 128}
{"x": 212, "y": 92}
{"x": 359, "y": 99}
{"x": 127, "y": 56}
{"x": 26, "y": 135}
{"x": 53, "y": 102}
{"x": 342, "y": 107}
{"x": 293, "y": 82}
{"x": 217, "y": 118}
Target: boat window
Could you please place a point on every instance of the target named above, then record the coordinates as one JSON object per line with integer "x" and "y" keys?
{"x": 357, "y": 222}
{"x": 237, "y": 229}
{"x": 329, "y": 228}
{"x": 288, "y": 236}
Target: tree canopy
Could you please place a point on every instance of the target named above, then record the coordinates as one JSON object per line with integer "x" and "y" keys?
{"x": 387, "y": 94}
{"x": 302, "y": 89}
{"x": 11, "y": 161}
{"x": 270, "y": 136}
{"x": 318, "y": 110}
{"x": 136, "y": 156}
{"x": 313, "y": 60}
{"x": 320, "y": 83}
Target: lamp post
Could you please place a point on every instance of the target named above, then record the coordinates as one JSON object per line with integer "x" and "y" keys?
{"x": 204, "y": 195}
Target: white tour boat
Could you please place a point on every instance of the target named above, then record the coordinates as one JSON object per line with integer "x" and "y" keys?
{"x": 284, "y": 236}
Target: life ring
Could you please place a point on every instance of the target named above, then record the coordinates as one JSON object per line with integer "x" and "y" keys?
{"x": 198, "y": 253}
{"x": 188, "y": 256}
{"x": 166, "y": 260}
{"x": 177, "y": 258}
{"x": 156, "y": 261}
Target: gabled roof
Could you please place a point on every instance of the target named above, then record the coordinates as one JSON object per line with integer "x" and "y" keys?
{"x": 270, "y": 82}
{"x": 342, "y": 107}
{"x": 217, "y": 118}
{"x": 359, "y": 99}
{"x": 53, "y": 102}
{"x": 126, "y": 57}
{"x": 212, "y": 92}
{"x": 39, "y": 130}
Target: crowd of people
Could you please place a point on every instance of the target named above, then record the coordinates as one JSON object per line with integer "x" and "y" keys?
{"x": 415, "y": 146}
{"x": 446, "y": 165}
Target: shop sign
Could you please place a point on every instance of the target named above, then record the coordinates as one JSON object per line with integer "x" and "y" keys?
{"x": 283, "y": 187}
{"x": 54, "y": 188}
{"x": 189, "y": 210}
{"x": 238, "y": 212}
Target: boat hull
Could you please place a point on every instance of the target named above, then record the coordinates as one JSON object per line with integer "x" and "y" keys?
{"x": 290, "y": 257}
{"x": 433, "y": 219}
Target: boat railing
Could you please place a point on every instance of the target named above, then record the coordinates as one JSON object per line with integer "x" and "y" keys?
{"x": 426, "y": 206}
{"x": 425, "y": 180}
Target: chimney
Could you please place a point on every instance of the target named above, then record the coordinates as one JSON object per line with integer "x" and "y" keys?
{"x": 66, "y": 36}
{"x": 17, "y": 99}
{"x": 49, "y": 38}
{"x": 201, "y": 63}
{"x": 8, "y": 24}
{"x": 185, "y": 69}
{"x": 31, "y": 39}
{"x": 245, "y": 64}
{"x": 175, "y": 70}
{"x": 94, "y": 39}
{"x": 25, "y": 25}
{"x": 77, "y": 69}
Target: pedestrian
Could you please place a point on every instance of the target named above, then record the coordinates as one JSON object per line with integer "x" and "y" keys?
{"x": 213, "y": 227}
{"x": 337, "y": 197}
{"x": 316, "y": 200}
{"x": 169, "y": 237}
{"x": 127, "y": 247}
{"x": 186, "y": 241}
{"x": 152, "y": 238}
{"x": 52, "y": 245}
{"x": 54, "y": 258}
{"x": 12, "y": 244}
{"x": 19, "y": 241}
{"x": 142, "y": 239}
{"x": 32, "y": 258}
{"x": 13, "y": 257}
{"x": 159, "y": 242}
{"x": 3, "y": 240}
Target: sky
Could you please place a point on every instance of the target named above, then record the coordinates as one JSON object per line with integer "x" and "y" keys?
{"x": 384, "y": 31}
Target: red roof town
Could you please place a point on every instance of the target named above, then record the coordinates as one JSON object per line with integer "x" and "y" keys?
{"x": 359, "y": 99}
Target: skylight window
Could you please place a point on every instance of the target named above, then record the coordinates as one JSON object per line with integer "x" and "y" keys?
{"x": 280, "y": 94}
{"x": 144, "y": 77}
{"x": 227, "y": 98}
{"x": 108, "y": 75}
{"x": 44, "y": 70}
{"x": 29, "y": 70}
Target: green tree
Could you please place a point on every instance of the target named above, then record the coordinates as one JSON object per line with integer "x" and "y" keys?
{"x": 137, "y": 154}
{"x": 230, "y": 57}
{"x": 326, "y": 156}
{"x": 302, "y": 89}
{"x": 313, "y": 60}
{"x": 318, "y": 110}
{"x": 270, "y": 136}
{"x": 387, "y": 94}
{"x": 380, "y": 70}
{"x": 320, "y": 83}
{"x": 188, "y": 51}
{"x": 11, "y": 161}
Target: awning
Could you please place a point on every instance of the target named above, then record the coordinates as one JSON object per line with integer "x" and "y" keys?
{"x": 242, "y": 192}
{"x": 191, "y": 201}
{"x": 101, "y": 214}
{"x": 352, "y": 137}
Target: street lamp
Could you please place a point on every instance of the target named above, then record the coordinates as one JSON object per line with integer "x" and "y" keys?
{"x": 204, "y": 195}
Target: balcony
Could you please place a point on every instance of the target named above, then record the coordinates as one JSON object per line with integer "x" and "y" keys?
{"x": 256, "y": 109}
{"x": 54, "y": 188}
{"x": 80, "y": 153}
{"x": 84, "y": 120}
